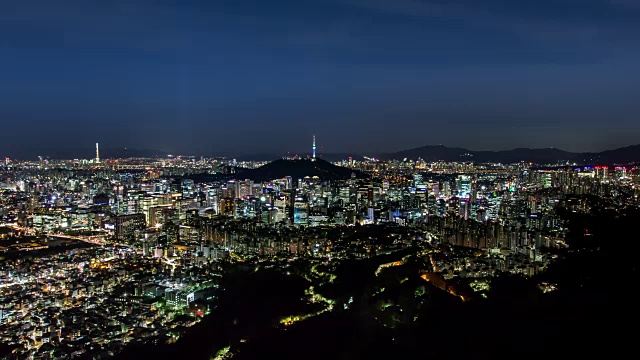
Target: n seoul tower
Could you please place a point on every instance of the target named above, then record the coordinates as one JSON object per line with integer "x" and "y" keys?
{"x": 313, "y": 148}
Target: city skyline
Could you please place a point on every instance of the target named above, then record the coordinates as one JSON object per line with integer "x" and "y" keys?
{"x": 82, "y": 152}
{"x": 365, "y": 76}
{"x": 160, "y": 258}
{"x": 251, "y": 179}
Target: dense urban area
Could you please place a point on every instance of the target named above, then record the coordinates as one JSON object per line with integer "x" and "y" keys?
{"x": 111, "y": 257}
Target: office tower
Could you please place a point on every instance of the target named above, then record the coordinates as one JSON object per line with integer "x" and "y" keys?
{"x": 300, "y": 211}
{"x": 446, "y": 189}
{"x": 419, "y": 183}
{"x": 97, "y": 153}
{"x": 244, "y": 189}
{"x": 464, "y": 186}
{"x": 464, "y": 208}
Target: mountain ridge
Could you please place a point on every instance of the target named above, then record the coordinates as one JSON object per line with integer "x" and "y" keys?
{"x": 627, "y": 154}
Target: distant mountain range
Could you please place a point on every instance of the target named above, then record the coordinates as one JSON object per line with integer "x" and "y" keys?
{"x": 623, "y": 155}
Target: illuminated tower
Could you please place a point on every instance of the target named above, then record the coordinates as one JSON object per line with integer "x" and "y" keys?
{"x": 97, "y": 153}
{"x": 314, "y": 147}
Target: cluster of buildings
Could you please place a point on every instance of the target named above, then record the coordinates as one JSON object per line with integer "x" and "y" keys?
{"x": 156, "y": 228}
{"x": 97, "y": 300}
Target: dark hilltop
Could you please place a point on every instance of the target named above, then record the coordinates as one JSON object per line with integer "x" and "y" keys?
{"x": 300, "y": 168}
{"x": 296, "y": 168}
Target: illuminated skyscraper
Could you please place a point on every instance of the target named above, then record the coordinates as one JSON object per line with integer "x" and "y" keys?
{"x": 300, "y": 211}
{"x": 464, "y": 186}
{"x": 97, "y": 153}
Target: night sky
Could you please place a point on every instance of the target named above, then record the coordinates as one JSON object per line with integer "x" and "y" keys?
{"x": 366, "y": 76}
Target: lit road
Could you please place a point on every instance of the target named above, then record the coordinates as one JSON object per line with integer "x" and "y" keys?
{"x": 16, "y": 282}
{"x": 95, "y": 240}
{"x": 438, "y": 281}
{"x": 87, "y": 239}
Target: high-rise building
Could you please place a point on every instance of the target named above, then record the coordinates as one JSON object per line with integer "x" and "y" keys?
{"x": 125, "y": 225}
{"x": 464, "y": 208}
{"x": 419, "y": 183}
{"x": 243, "y": 188}
{"x": 300, "y": 211}
{"x": 464, "y": 186}
{"x": 97, "y": 153}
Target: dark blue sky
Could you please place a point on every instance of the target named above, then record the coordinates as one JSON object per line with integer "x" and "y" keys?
{"x": 366, "y": 76}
